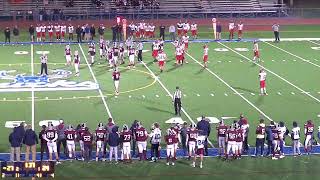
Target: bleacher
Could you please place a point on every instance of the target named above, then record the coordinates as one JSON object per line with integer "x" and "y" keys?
{"x": 184, "y": 5}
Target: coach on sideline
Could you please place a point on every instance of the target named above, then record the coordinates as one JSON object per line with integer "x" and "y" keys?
{"x": 176, "y": 99}
{"x": 204, "y": 129}
{"x": 275, "y": 28}
{"x": 44, "y": 67}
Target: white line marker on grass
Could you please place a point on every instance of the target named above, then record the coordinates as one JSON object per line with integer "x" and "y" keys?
{"x": 95, "y": 80}
{"x": 252, "y": 94}
{"x": 293, "y": 93}
{"x": 198, "y": 95}
{"x": 157, "y": 95}
{"x": 234, "y": 90}
{"x": 4, "y": 99}
{"x": 225, "y": 94}
{"x": 279, "y": 93}
{"x": 211, "y": 94}
{"x": 275, "y": 74}
{"x": 184, "y": 95}
{"x": 169, "y": 94}
{"x": 294, "y": 54}
{"x": 143, "y": 96}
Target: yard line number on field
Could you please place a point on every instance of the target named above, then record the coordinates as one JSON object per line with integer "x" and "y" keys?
{"x": 95, "y": 80}
{"x": 275, "y": 74}
{"x": 168, "y": 92}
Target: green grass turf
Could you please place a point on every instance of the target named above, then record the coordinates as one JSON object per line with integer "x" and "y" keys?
{"x": 146, "y": 100}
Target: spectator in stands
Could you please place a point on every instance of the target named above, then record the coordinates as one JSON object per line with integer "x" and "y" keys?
{"x": 119, "y": 32}
{"x": 31, "y": 32}
{"x": 114, "y": 141}
{"x": 15, "y": 142}
{"x": 7, "y": 34}
{"x": 43, "y": 143}
{"x": 219, "y": 30}
{"x": 92, "y": 32}
{"x": 275, "y": 28}
{"x": 172, "y": 31}
{"x": 204, "y": 129}
{"x": 31, "y": 141}
{"x": 15, "y": 33}
{"x": 79, "y": 33}
{"x": 101, "y": 30}
{"x": 87, "y": 32}
{"x": 162, "y": 28}
{"x": 61, "y": 128}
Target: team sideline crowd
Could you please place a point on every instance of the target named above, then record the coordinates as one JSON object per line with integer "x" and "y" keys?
{"x": 125, "y": 141}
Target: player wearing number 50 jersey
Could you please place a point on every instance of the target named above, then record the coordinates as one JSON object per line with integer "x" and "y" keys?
{"x": 126, "y": 137}
{"x": 100, "y": 135}
{"x": 141, "y": 135}
{"x": 200, "y": 149}
{"x": 70, "y": 134}
{"x": 51, "y": 137}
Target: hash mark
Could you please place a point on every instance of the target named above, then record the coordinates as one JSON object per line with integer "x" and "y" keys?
{"x": 157, "y": 95}
{"x": 292, "y": 93}
{"x": 212, "y": 94}
{"x": 225, "y": 94}
{"x": 143, "y": 96}
{"x": 252, "y": 94}
{"x": 198, "y": 95}
{"x": 60, "y": 97}
{"x": 279, "y": 93}
{"x": 129, "y": 96}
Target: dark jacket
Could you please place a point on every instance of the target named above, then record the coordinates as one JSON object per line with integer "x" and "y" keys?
{"x": 114, "y": 138}
{"x": 14, "y": 139}
{"x": 92, "y": 30}
{"x": 42, "y": 140}
{"x": 101, "y": 30}
{"x": 20, "y": 132}
{"x": 269, "y": 133}
{"x": 204, "y": 127}
{"x": 30, "y": 138}
{"x": 7, "y": 32}
{"x": 31, "y": 30}
{"x": 79, "y": 31}
{"x": 15, "y": 31}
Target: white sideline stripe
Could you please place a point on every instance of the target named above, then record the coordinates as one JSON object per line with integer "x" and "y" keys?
{"x": 32, "y": 91}
{"x": 234, "y": 90}
{"x": 168, "y": 92}
{"x": 46, "y": 89}
{"x": 95, "y": 80}
{"x": 290, "y": 39}
{"x": 275, "y": 74}
{"x": 294, "y": 54}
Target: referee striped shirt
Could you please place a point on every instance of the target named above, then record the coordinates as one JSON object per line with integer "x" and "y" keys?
{"x": 177, "y": 94}
{"x": 44, "y": 59}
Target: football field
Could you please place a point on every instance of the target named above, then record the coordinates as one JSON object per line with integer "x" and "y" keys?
{"x": 228, "y": 87}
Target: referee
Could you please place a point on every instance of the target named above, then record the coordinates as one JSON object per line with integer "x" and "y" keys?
{"x": 275, "y": 28}
{"x": 176, "y": 99}
{"x": 44, "y": 67}
{"x": 140, "y": 48}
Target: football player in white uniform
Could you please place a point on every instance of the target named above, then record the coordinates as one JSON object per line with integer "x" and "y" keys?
{"x": 51, "y": 137}
{"x": 200, "y": 150}
{"x": 68, "y": 54}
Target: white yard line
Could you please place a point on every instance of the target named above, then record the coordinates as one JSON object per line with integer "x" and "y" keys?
{"x": 305, "y": 60}
{"x": 95, "y": 80}
{"x": 275, "y": 74}
{"x": 168, "y": 92}
{"x": 314, "y": 42}
{"x": 234, "y": 90}
{"x": 32, "y": 92}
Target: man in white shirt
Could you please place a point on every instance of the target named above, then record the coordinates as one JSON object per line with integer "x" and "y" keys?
{"x": 70, "y": 31}
{"x": 295, "y": 136}
{"x": 155, "y": 136}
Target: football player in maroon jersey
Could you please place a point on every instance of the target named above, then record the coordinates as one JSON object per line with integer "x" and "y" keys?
{"x": 308, "y": 132}
{"x": 231, "y": 141}
{"x": 170, "y": 141}
{"x": 192, "y": 134}
{"x": 70, "y": 134}
{"x": 141, "y": 138}
{"x": 80, "y": 132}
{"x": 87, "y": 139}
{"x": 116, "y": 80}
{"x": 100, "y": 135}
{"x": 221, "y": 133}
{"x": 126, "y": 137}
{"x": 239, "y": 140}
